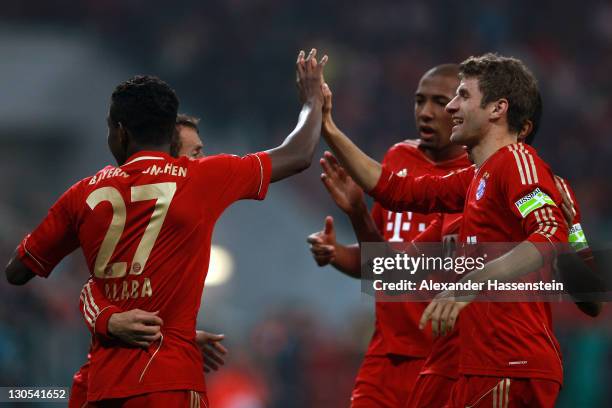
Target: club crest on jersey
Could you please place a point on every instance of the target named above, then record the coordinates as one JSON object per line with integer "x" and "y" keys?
{"x": 402, "y": 173}
{"x": 481, "y": 188}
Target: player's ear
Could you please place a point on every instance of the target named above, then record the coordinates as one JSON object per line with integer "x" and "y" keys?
{"x": 526, "y": 130}
{"x": 499, "y": 108}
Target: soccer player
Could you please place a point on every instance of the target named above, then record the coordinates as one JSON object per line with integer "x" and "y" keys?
{"x": 398, "y": 348}
{"x": 441, "y": 368}
{"x": 188, "y": 142}
{"x": 135, "y": 225}
{"x": 138, "y": 327}
{"x": 509, "y": 355}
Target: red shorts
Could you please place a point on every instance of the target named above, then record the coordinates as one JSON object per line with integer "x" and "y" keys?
{"x": 161, "y": 399}
{"x": 477, "y": 391}
{"x": 385, "y": 381}
{"x": 78, "y": 391}
{"x": 431, "y": 391}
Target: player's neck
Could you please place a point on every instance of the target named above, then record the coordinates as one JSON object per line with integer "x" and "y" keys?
{"x": 489, "y": 144}
{"x": 134, "y": 149}
{"x": 450, "y": 152}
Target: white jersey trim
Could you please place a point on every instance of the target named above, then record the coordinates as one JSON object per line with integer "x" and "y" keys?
{"x": 142, "y": 158}
{"x": 525, "y": 164}
{"x": 28, "y": 253}
{"x": 261, "y": 172}
{"x": 87, "y": 311}
{"x": 161, "y": 341}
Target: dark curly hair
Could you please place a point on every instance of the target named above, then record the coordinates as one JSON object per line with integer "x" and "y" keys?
{"x": 146, "y": 107}
{"x": 504, "y": 77}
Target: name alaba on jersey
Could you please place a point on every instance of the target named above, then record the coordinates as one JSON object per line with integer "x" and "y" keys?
{"x": 145, "y": 229}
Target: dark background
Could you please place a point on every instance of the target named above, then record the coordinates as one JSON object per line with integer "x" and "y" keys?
{"x": 296, "y": 332}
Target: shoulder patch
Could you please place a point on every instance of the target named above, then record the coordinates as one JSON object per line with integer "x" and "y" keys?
{"x": 532, "y": 201}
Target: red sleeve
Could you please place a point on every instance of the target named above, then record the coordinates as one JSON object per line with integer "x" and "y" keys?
{"x": 96, "y": 308}
{"x": 425, "y": 194}
{"x": 239, "y": 178}
{"x": 532, "y": 195}
{"x": 54, "y": 238}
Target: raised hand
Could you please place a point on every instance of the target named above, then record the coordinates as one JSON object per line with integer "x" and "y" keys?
{"x": 295, "y": 153}
{"x": 136, "y": 327}
{"x": 323, "y": 243}
{"x": 567, "y": 206}
{"x": 309, "y": 76}
{"x": 344, "y": 191}
{"x": 213, "y": 352}
{"x": 327, "y": 101}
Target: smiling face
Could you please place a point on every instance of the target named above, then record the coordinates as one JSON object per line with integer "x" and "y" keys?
{"x": 469, "y": 119}
{"x": 432, "y": 121}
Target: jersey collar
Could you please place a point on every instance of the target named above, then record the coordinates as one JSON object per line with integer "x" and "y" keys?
{"x": 146, "y": 155}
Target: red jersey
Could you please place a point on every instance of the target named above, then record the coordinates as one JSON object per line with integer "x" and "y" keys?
{"x": 511, "y": 198}
{"x": 396, "y": 330}
{"x": 145, "y": 229}
{"x": 443, "y": 358}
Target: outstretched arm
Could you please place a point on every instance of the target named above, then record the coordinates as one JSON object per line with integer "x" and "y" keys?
{"x": 444, "y": 308}
{"x": 394, "y": 192}
{"x": 295, "y": 153}
{"x": 543, "y": 226}
{"x": 362, "y": 168}
{"x": 55, "y": 237}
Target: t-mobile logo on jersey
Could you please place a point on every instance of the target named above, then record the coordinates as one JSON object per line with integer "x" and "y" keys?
{"x": 397, "y": 223}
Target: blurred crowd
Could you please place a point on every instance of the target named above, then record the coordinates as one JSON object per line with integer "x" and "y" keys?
{"x": 231, "y": 62}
